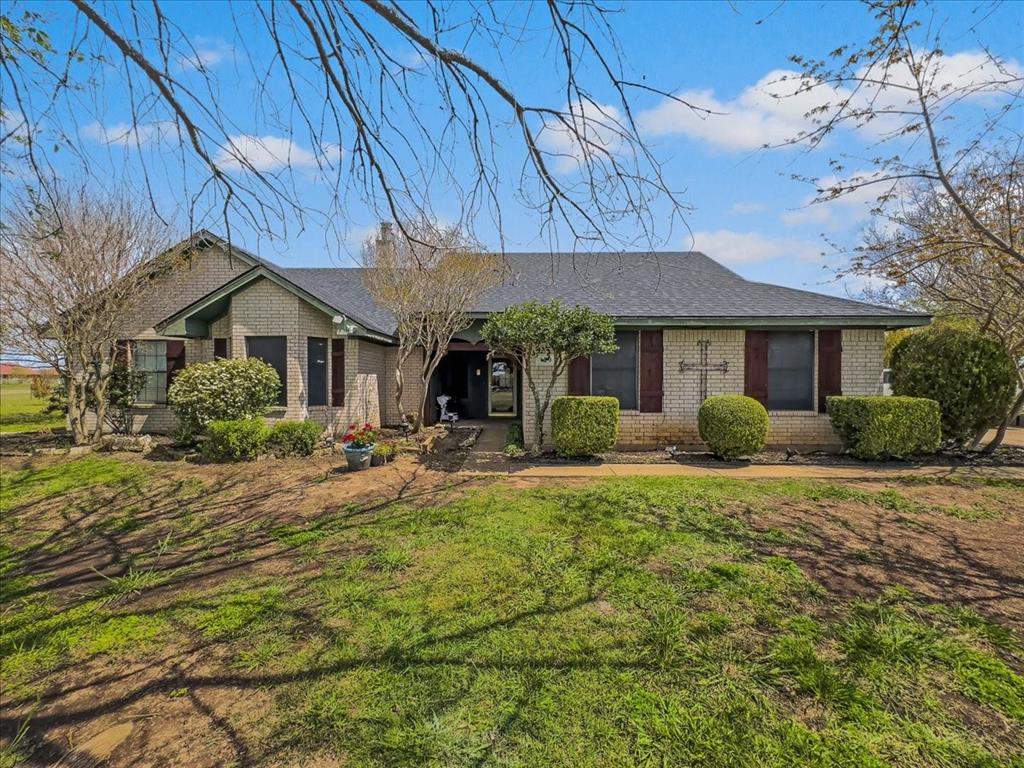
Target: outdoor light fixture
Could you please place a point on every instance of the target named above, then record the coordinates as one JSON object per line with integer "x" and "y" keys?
{"x": 342, "y": 326}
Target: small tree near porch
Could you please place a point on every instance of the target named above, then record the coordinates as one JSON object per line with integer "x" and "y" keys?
{"x": 428, "y": 278}
{"x": 543, "y": 338}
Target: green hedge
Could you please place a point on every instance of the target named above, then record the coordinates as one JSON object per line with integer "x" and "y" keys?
{"x": 235, "y": 439}
{"x": 733, "y": 425}
{"x": 222, "y": 390}
{"x": 971, "y": 376}
{"x": 294, "y": 438}
{"x": 886, "y": 427}
{"x": 583, "y": 426}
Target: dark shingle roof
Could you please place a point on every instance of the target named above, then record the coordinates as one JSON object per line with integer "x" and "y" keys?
{"x": 677, "y": 285}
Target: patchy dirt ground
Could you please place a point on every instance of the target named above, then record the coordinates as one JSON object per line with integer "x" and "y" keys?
{"x": 192, "y": 701}
{"x": 951, "y": 543}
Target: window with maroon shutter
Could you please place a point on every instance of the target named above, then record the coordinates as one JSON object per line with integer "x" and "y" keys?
{"x": 650, "y": 371}
{"x": 579, "y": 376}
{"x": 175, "y": 359}
{"x": 755, "y": 369}
{"x": 220, "y": 349}
{"x": 337, "y": 372}
{"x": 830, "y": 366}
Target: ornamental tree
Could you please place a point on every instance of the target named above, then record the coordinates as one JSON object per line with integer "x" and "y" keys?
{"x": 542, "y": 339}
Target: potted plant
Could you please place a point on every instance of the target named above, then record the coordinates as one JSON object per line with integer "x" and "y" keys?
{"x": 382, "y": 454}
{"x": 359, "y": 444}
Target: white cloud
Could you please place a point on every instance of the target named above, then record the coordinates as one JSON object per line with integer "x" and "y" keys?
{"x": 207, "y": 52}
{"x": 598, "y": 124}
{"x": 729, "y": 247}
{"x": 743, "y": 209}
{"x": 773, "y": 110}
{"x": 853, "y": 207}
{"x": 270, "y": 153}
{"x": 768, "y": 112}
{"x": 125, "y": 134}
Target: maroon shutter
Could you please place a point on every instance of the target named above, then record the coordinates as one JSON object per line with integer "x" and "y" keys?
{"x": 337, "y": 372}
{"x": 121, "y": 356}
{"x": 830, "y": 366}
{"x": 579, "y": 376}
{"x": 755, "y": 378}
{"x": 220, "y": 349}
{"x": 175, "y": 359}
{"x": 650, "y": 371}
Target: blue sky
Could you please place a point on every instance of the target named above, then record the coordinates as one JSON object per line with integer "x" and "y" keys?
{"x": 747, "y": 213}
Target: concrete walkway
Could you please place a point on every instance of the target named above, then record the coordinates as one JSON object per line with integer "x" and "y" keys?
{"x": 761, "y": 471}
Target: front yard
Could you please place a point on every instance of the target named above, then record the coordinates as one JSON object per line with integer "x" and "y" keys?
{"x": 283, "y": 613}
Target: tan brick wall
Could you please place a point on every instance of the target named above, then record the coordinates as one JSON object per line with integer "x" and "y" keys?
{"x": 677, "y": 424}
{"x": 412, "y": 387}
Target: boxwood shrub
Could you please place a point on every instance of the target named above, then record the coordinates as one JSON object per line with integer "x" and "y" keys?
{"x": 294, "y": 438}
{"x": 732, "y": 425}
{"x": 235, "y": 439}
{"x": 877, "y": 427}
{"x": 584, "y": 425}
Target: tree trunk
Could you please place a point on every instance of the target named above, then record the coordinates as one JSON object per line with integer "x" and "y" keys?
{"x": 996, "y": 441}
{"x": 399, "y": 386}
{"x": 77, "y": 410}
{"x": 538, "y": 429}
{"x": 100, "y": 396}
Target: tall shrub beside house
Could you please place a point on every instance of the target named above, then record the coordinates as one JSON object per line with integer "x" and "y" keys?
{"x": 222, "y": 390}
{"x": 543, "y": 338}
{"x": 971, "y": 376}
{"x": 584, "y": 425}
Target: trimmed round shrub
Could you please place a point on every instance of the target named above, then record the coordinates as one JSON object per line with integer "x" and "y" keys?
{"x": 222, "y": 390}
{"x": 294, "y": 438}
{"x": 969, "y": 375}
{"x": 235, "y": 439}
{"x": 584, "y": 425}
{"x": 733, "y": 425}
{"x": 886, "y": 427}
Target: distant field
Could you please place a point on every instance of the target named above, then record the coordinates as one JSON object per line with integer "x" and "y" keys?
{"x": 20, "y": 412}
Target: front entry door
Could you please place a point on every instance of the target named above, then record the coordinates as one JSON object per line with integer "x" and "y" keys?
{"x": 502, "y": 395}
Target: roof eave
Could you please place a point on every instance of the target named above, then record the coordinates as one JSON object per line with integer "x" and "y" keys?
{"x": 188, "y": 322}
{"x": 888, "y": 322}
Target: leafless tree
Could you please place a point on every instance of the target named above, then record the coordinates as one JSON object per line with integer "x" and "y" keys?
{"x": 428, "y": 278}
{"x": 399, "y": 104}
{"x": 73, "y": 264}
{"x": 930, "y": 253}
{"x": 923, "y": 115}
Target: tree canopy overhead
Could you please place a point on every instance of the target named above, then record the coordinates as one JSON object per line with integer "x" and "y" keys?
{"x": 397, "y": 104}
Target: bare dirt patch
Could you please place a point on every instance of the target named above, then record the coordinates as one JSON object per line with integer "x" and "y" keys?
{"x": 856, "y": 549}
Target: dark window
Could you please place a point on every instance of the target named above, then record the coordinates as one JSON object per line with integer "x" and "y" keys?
{"x": 151, "y": 356}
{"x": 316, "y": 377}
{"x": 337, "y": 372}
{"x": 615, "y": 374}
{"x": 272, "y": 350}
{"x": 220, "y": 349}
{"x": 791, "y": 371}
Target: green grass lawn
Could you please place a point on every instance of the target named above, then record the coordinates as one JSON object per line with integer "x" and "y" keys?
{"x": 629, "y": 622}
{"x": 20, "y": 412}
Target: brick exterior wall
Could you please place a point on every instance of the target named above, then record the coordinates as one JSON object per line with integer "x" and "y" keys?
{"x": 863, "y": 351}
{"x": 261, "y": 309}
{"x": 266, "y": 309}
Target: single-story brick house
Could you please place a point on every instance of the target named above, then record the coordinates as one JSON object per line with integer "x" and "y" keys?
{"x": 687, "y": 328}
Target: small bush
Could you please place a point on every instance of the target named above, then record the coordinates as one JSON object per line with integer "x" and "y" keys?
{"x": 733, "y": 425}
{"x": 583, "y": 426}
{"x": 385, "y": 451}
{"x": 886, "y": 427}
{"x": 222, "y": 390}
{"x": 514, "y": 447}
{"x": 971, "y": 376}
{"x": 294, "y": 438}
{"x": 235, "y": 439}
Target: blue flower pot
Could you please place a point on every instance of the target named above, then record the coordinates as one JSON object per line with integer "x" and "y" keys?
{"x": 358, "y": 458}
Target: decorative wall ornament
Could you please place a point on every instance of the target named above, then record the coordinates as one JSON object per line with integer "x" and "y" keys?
{"x": 703, "y": 367}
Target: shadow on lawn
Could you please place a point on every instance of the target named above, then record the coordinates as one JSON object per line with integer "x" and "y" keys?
{"x": 226, "y": 528}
